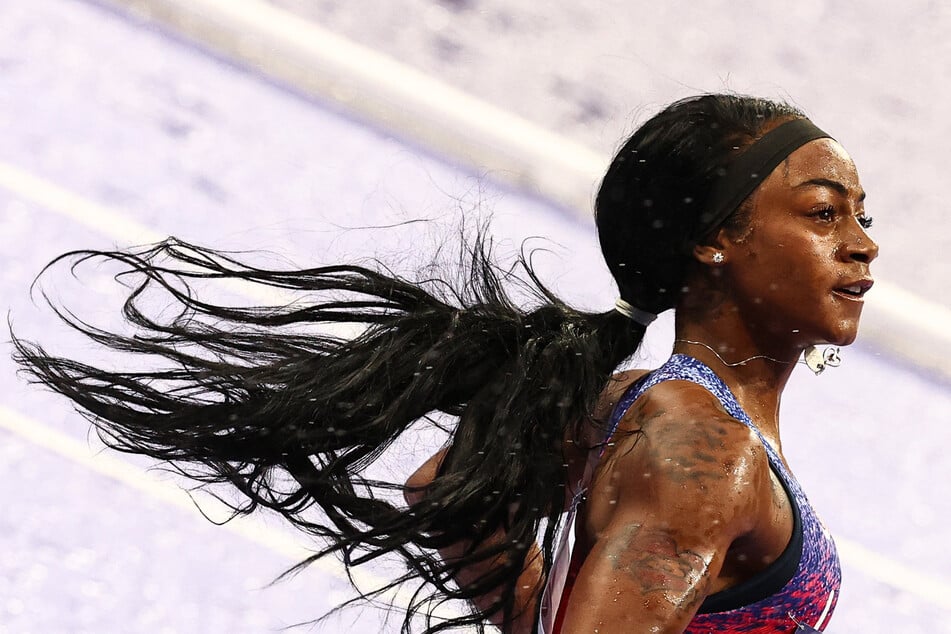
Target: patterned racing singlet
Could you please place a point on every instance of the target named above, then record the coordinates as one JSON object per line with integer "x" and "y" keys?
{"x": 796, "y": 593}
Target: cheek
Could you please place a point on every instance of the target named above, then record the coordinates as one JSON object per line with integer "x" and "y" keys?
{"x": 788, "y": 265}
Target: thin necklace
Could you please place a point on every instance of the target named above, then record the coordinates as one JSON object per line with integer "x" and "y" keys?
{"x": 723, "y": 361}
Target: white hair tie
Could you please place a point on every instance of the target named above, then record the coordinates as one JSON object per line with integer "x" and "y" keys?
{"x": 636, "y": 315}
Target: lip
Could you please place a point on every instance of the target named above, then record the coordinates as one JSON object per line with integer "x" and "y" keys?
{"x": 863, "y": 285}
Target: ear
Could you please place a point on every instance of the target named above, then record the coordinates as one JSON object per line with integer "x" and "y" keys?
{"x": 713, "y": 250}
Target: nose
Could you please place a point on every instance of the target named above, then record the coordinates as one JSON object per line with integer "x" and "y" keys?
{"x": 860, "y": 247}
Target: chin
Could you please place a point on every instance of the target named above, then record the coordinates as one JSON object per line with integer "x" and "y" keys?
{"x": 846, "y": 341}
{"x": 833, "y": 332}
{"x": 844, "y": 335}
{"x": 840, "y": 328}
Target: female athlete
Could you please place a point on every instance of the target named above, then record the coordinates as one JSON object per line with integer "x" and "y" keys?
{"x": 569, "y": 497}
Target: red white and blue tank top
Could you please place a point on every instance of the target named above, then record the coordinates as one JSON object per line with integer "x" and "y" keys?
{"x": 796, "y": 593}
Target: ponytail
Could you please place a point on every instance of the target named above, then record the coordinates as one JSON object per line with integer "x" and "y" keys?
{"x": 266, "y": 399}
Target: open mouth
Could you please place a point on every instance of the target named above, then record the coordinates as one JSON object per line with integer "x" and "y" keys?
{"x": 854, "y": 291}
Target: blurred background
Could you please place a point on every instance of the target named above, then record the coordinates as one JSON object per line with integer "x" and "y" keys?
{"x": 313, "y": 131}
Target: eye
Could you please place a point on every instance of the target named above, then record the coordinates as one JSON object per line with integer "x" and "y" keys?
{"x": 825, "y": 214}
{"x": 865, "y": 221}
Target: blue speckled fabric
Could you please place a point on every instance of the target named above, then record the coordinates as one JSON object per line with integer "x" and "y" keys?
{"x": 808, "y": 599}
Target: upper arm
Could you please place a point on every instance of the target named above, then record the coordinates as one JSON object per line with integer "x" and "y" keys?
{"x": 680, "y": 496}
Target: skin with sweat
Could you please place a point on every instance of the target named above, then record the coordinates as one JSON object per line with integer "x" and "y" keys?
{"x": 683, "y": 503}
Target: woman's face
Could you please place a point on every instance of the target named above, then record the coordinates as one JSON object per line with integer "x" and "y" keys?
{"x": 801, "y": 268}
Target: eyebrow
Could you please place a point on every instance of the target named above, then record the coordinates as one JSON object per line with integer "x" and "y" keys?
{"x": 831, "y": 184}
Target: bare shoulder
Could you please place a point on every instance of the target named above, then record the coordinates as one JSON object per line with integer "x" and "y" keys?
{"x": 614, "y": 390}
{"x": 592, "y": 434}
{"x": 581, "y": 445}
{"x": 679, "y": 453}
{"x": 673, "y": 415}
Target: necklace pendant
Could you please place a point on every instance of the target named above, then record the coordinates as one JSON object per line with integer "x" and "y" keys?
{"x": 818, "y": 360}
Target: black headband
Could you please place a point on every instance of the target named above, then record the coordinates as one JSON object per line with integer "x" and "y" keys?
{"x": 751, "y": 168}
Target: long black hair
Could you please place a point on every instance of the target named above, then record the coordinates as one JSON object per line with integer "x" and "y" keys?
{"x": 266, "y": 399}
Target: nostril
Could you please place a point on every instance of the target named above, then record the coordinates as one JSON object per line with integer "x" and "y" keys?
{"x": 861, "y": 257}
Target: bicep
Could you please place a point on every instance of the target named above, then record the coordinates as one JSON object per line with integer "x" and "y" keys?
{"x": 642, "y": 576}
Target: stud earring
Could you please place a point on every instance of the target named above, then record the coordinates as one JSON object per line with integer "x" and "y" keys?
{"x": 718, "y": 258}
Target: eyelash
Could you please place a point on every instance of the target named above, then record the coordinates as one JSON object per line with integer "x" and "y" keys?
{"x": 826, "y": 213}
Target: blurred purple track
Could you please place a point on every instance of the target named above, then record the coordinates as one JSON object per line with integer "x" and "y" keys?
{"x": 116, "y": 134}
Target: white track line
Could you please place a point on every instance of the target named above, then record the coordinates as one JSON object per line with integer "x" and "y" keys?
{"x": 252, "y": 528}
{"x": 112, "y": 223}
{"x": 116, "y": 224}
{"x": 134, "y": 477}
{"x": 320, "y": 62}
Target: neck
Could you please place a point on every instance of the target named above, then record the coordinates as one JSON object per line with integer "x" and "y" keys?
{"x": 754, "y": 372}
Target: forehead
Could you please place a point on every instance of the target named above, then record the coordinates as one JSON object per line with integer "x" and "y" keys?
{"x": 819, "y": 159}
